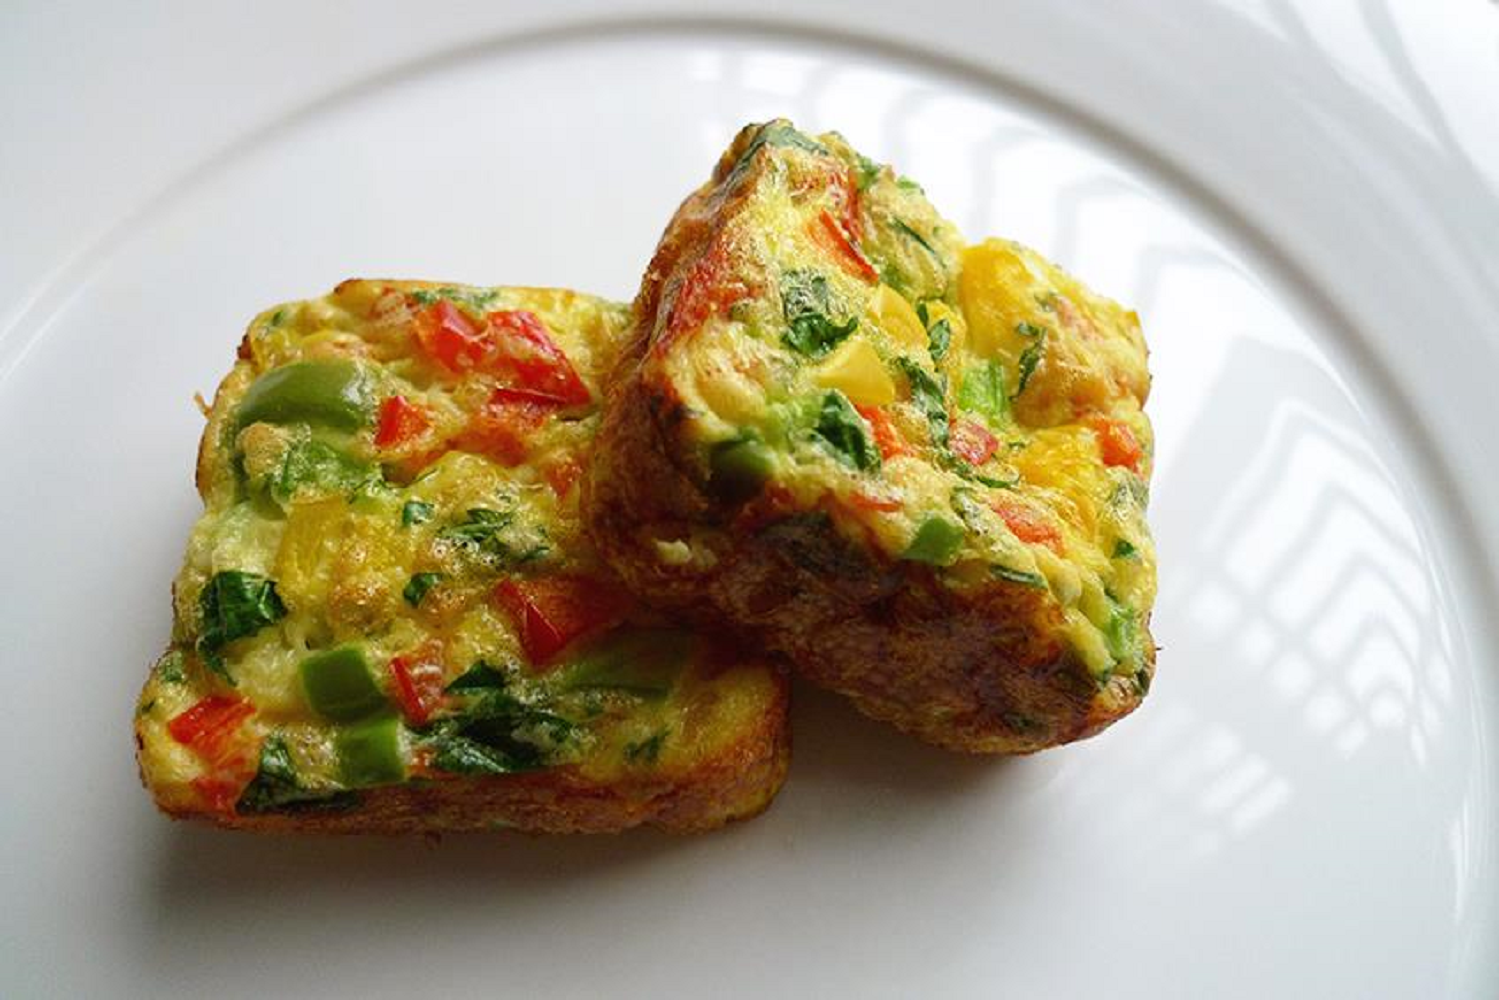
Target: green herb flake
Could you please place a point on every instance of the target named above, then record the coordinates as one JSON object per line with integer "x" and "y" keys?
{"x": 481, "y": 676}
{"x": 905, "y": 228}
{"x": 415, "y": 512}
{"x": 906, "y": 184}
{"x": 483, "y": 534}
{"x": 277, "y": 787}
{"x": 1030, "y": 330}
{"x": 1029, "y": 359}
{"x": 867, "y": 172}
{"x": 1123, "y": 549}
{"x": 320, "y": 468}
{"x": 146, "y": 708}
{"x": 939, "y": 339}
{"x": 806, "y": 302}
{"x": 928, "y": 394}
{"x": 840, "y": 427}
{"x": 777, "y": 134}
{"x": 646, "y": 751}
{"x": 169, "y": 669}
{"x": 234, "y": 605}
{"x": 1019, "y": 576}
{"x": 417, "y": 587}
{"x": 477, "y": 300}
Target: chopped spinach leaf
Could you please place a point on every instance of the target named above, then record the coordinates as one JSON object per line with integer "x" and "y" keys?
{"x": 906, "y": 229}
{"x": 1029, "y": 359}
{"x": 906, "y": 184}
{"x": 868, "y": 172}
{"x": 497, "y": 734}
{"x": 776, "y": 134}
{"x": 277, "y": 787}
{"x": 842, "y": 429}
{"x": 169, "y": 668}
{"x": 476, "y": 299}
{"x": 483, "y": 533}
{"x": 479, "y": 677}
{"x": 966, "y": 471}
{"x": 234, "y": 605}
{"x": 415, "y": 512}
{"x": 646, "y": 751}
{"x": 1123, "y": 549}
{"x": 417, "y": 587}
{"x": 929, "y": 396}
{"x": 939, "y": 338}
{"x": 314, "y": 465}
{"x": 1019, "y": 576}
{"x": 805, "y": 302}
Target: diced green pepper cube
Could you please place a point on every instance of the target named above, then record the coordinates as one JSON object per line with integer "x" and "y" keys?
{"x": 1120, "y": 634}
{"x": 936, "y": 541}
{"x": 339, "y": 686}
{"x": 737, "y": 469}
{"x": 369, "y": 752}
{"x": 983, "y": 392}
{"x": 644, "y": 661}
{"x": 332, "y": 393}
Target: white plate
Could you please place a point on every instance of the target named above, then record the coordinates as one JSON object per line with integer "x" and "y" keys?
{"x": 1297, "y": 205}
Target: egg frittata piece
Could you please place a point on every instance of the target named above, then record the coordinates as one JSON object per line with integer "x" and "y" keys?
{"x": 917, "y": 468}
{"x": 389, "y": 618}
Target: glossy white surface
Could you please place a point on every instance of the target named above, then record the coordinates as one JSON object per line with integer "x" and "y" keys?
{"x": 1304, "y": 807}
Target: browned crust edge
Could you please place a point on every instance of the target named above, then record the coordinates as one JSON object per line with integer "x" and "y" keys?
{"x": 738, "y": 783}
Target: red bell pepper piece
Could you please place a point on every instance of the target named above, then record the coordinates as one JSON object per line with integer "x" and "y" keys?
{"x": 417, "y": 678}
{"x": 447, "y": 334}
{"x": 1117, "y": 443}
{"x": 1028, "y": 526}
{"x": 829, "y": 232}
{"x": 868, "y": 501}
{"x": 400, "y": 421}
{"x": 211, "y": 727}
{"x": 504, "y": 427}
{"x": 886, "y": 437}
{"x": 709, "y": 288}
{"x": 219, "y": 792}
{"x": 524, "y": 351}
{"x": 552, "y": 612}
{"x": 512, "y": 344}
{"x": 972, "y": 442}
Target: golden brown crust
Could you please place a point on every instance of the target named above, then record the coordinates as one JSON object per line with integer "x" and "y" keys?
{"x": 737, "y": 783}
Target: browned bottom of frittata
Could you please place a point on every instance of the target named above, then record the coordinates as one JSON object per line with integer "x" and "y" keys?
{"x": 389, "y": 618}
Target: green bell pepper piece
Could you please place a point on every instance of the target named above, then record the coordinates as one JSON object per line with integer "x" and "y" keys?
{"x": 369, "y": 752}
{"x": 738, "y": 469}
{"x": 644, "y": 661}
{"x": 936, "y": 541}
{"x": 335, "y": 394}
{"x": 339, "y": 686}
